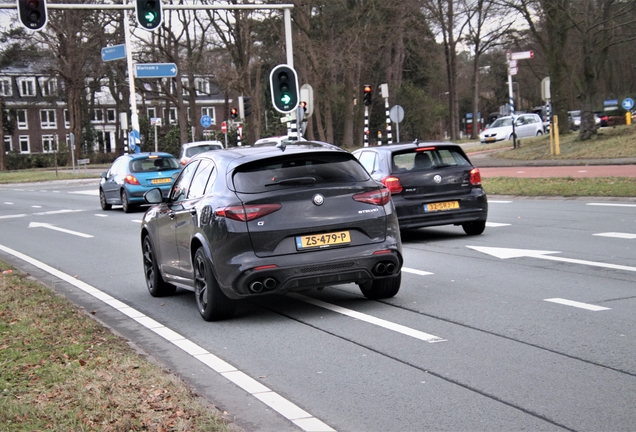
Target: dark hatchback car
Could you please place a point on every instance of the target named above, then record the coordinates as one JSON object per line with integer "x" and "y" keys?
{"x": 430, "y": 183}
{"x": 252, "y": 221}
{"x": 132, "y": 175}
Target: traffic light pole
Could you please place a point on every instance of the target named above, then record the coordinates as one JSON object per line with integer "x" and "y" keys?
{"x": 366, "y": 126}
{"x": 134, "y": 117}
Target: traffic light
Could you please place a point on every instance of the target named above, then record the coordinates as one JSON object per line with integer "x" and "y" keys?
{"x": 233, "y": 113}
{"x": 244, "y": 107}
{"x": 367, "y": 95}
{"x": 149, "y": 14}
{"x": 32, "y": 13}
{"x": 284, "y": 84}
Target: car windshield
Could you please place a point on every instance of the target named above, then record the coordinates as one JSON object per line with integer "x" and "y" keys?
{"x": 575, "y": 113}
{"x": 298, "y": 170}
{"x": 191, "y": 151}
{"x": 153, "y": 164}
{"x": 427, "y": 159}
{"x": 502, "y": 122}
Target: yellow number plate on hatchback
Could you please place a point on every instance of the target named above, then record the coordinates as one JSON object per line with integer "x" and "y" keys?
{"x": 441, "y": 206}
{"x": 322, "y": 240}
{"x": 161, "y": 180}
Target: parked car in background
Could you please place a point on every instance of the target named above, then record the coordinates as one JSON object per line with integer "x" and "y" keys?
{"x": 431, "y": 184}
{"x": 189, "y": 150}
{"x": 251, "y": 221}
{"x": 132, "y": 175}
{"x": 526, "y": 125}
{"x": 603, "y": 119}
{"x": 574, "y": 119}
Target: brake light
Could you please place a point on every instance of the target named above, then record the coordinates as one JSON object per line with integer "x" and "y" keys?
{"x": 247, "y": 213}
{"x": 422, "y": 149}
{"x": 393, "y": 184}
{"x": 183, "y": 161}
{"x": 377, "y": 197}
{"x": 475, "y": 177}
{"x": 131, "y": 179}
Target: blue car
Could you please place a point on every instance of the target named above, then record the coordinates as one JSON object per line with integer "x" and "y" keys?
{"x": 131, "y": 175}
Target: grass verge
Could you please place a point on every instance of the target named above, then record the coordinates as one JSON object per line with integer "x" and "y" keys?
{"x": 29, "y": 176}
{"x": 565, "y": 187}
{"x": 62, "y": 371}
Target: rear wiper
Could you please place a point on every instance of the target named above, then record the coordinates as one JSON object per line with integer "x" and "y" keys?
{"x": 294, "y": 181}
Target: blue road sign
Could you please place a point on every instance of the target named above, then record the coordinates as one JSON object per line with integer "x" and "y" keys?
{"x": 155, "y": 70}
{"x": 610, "y": 102}
{"x": 628, "y": 103}
{"x": 206, "y": 121}
{"x": 115, "y": 52}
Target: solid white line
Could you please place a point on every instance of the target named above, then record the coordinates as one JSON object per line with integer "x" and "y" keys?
{"x": 617, "y": 235}
{"x": 370, "y": 319}
{"x": 12, "y": 216}
{"x": 577, "y": 304}
{"x": 496, "y": 224}
{"x": 56, "y": 212}
{"x": 611, "y": 205}
{"x": 94, "y": 192}
{"x": 289, "y": 410}
{"x": 415, "y": 271}
{"x": 498, "y": 202}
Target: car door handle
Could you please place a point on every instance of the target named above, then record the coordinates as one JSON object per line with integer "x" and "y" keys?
{"x": 193, "y": 211}
{"x": 171, "y": 214}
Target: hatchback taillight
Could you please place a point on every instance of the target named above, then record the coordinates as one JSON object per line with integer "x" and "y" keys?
{"x": 475, "y": 177}
{"x": 393, "y": 184}
{"x": 131, "y": 179}
{"x": 248, "y": 212}
{"x": 377, "y": 197}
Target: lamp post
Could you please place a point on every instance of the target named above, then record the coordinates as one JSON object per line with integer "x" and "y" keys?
{"x": 441, "y": 126}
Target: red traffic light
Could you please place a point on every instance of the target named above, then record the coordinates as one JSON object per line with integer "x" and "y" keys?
{"x": 367, "y": 95}
{"x": 367, "y": 89}
{"x": 233, "y": 113}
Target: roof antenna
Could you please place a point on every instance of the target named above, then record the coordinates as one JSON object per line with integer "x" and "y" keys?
{"x": 281, "y": 145}
{"x": 417, "y": 141}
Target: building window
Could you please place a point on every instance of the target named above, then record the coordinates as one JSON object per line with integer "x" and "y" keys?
{"x": 151, "y": 113}
{"x": 48, "y": 86}
{"x": 47, "y": 119}
{"x": 98, "y": 116}
{"x": 173, "y": 116}
{"x": 67, "y": 119}
{"x": 7, "y": 144}
{"x": 111, "y": 115}
{"x": 202, "y": 86}
{"x": 21, "y": 116}
{"x": 48, "y": 143}
{"x": 5, "y": 87}
{"x": 24, "y": 144}
{"x": 27, "y": 86}
{"x": 208, "y": 111}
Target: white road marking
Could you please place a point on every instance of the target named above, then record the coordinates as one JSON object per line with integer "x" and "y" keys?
{"x": 611, "y": 204}
{"x": 286, "y": 408}
{"x": 498, "y": 202}
{"x": 505, "y": 253}
{"x": 36, "y": 206}
{"x": 577, "y": 304}
{"x": 136, "y": 220}
{"x": 617, "y": 235}
{"x": 12, "y": 216}
{"x": 56, "y": 212}
{"x": 100, "y": 215}
{"x": 53, "y": 227}
{"x": 93, "y": 192}
{"x": 370, "y": 319}
{"x": 8, "y": 203}
{"x": 496, "y": 224}
{"x": 415, "y": 271}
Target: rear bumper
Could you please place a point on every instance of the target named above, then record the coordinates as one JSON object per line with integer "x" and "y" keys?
{"x": 411, "y": 214}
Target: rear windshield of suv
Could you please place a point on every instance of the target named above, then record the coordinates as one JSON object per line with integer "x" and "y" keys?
{"x": 428, "y": 159}
{"x": 304, "y": 169}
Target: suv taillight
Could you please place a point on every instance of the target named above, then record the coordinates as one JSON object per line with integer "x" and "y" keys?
{"x": 393, "y": 184}
{"x": 475, "y": 177}
{"x": 377, "y": 197}
{"x": 248, "y": 212}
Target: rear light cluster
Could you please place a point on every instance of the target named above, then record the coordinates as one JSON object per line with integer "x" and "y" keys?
{"x": 393, "y": 184}
{"x": 378, "y": 197}
{"x": 246, "y": 213}
{"x": 475, "y": 177}
{"x": 184, "y": 161}
{"x": 131, "y": 179}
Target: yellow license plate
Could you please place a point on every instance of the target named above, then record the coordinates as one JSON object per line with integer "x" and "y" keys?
{"x": 322, "y": 240}
{"x": 490, "y": 139}
{"x": 161, "y": 180}
{"x": 441, "y": 206}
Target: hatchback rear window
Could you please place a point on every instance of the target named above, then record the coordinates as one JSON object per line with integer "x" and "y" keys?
{"x": 428, "y": 159}
{"x": 191, "y": 151}
{"x": 154, "y": 164}
{"x": 303, "y": 169}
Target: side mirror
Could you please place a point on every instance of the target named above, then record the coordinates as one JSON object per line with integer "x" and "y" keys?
{"x": 153, "y": 196}
{"x": 104, "y": 175}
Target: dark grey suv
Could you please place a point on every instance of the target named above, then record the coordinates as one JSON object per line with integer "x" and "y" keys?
{"x": 430, "y": 183}
{"x": 252, "y": 221}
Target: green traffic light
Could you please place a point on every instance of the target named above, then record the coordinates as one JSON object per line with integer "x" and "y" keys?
{"x": 150, "y": 17}
{"x": 285, "y": 98}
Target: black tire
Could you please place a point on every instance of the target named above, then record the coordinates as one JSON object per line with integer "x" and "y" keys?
{"x": 539, "y": 133}
{"x": 381, "y": 288}
{"x": 102, "y": 200}
{"x": 157, "y": 287}
{"x": 474, "y": 228}
{"x": 213, "y": 305}
{"x": 125, "y": 204}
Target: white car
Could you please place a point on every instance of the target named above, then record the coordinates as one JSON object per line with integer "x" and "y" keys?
{"x": 526, "y": 125}
{"x": 272, "y": 141}
{"x": 190, "y": 149}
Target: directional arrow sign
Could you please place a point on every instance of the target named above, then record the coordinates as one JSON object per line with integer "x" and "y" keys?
{"x": 114, "y": 52}
{"x": 155, "y": 70}
{"x": 505, "y": 253}
{"x": 49, "y": 226}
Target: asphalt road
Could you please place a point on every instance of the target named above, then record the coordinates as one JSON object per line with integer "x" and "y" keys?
{"x": 529, "y": 326}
